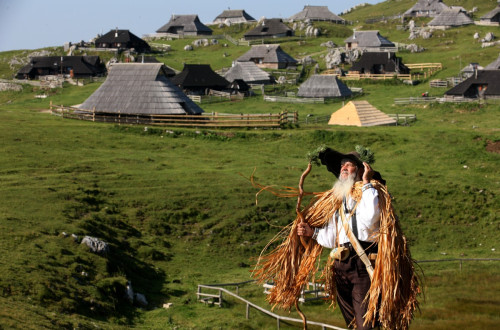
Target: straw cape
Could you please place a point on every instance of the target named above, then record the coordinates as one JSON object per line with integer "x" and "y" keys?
{"x": 139, "y": 88}
{"x": 360, "y": 113}
{"x": 328, "y": 86}
{"x": 392, "y": 298}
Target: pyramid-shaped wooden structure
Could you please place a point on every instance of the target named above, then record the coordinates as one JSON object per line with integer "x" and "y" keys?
{"x": 360, "y": 113}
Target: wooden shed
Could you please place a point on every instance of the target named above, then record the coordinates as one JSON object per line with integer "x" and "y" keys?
{"x": 269, "y": 28}
{"x": 139, "y": 88}
{"x": 249, "y": 72}
{"x": 450, "y": 18}
{"x": 368, "y": 40}
{"x": 360, "y": 113}
{"x": 327, "y": 86}
{"x": 426, "y": 8}
{"x": 316, "y": 13}
{"x": 269, "y": 56}
{"x": 492, "y": 17}
{"x": 185, "y": 25}
{"x": 234, "y": 16}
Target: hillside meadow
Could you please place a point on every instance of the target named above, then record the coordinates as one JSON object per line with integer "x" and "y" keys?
{"x": 177, "y": 207}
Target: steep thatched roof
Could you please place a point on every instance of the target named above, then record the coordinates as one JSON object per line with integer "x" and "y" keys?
{"x": 369, "y": 39}
{"x": 495, "y": 65}
{"x": 485, "y": 83}
{"x": 360, "y": 113}
{"x": 186, "y": 24}
{"x": 268, "y": 28}
{"x": 249, "y": 72}
{"x": 271, "y": 53}
{"x": 139, "y": 88}
{"x": 327, "y": 86}
{"x": 234, "y": 16}
{"x": 451, "y": 17}
{"x": 429, "y": 8}
{"x": 380, "y": 63}
{"x": 316, "y": 13}
{"x": 195, "y": 76}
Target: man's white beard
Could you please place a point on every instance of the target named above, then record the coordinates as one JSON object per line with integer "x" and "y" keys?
{"x": 342, "y": 187}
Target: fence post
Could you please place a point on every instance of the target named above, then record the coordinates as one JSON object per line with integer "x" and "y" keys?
{"x": 220, "y": 298}
{"x": 93, "y": 113}
{"x": 248, "y": 311}
{"x": 50, "y": 106}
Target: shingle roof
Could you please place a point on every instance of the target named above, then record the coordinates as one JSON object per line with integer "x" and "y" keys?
{"x": 371, "y": 61}
{"x": 360, "y": 113}
{"x": 369, "y": 39}
{"x": 190, "y": 23}
{"x": 434, "y": 7}
{"x": 139, "y": 88}
{"x": 268, "y": 28}
{"x": 248, "y": 72}
{"x": 323, "y": 86}
{"x": 490, "y": 78}
{"x": 495, "y": 65}
{"x": 271, "y": 53}
{"x": 451, "y": 17}
{"x": 199, "y": 76}
{"x": 316, "y": 13}
{"x": 121, "y": 36}
{"x": 492, "y": 14}
{"x": 235, "y": 14}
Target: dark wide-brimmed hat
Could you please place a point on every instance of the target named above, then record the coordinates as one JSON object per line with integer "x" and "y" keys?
{"x": 332, "y": 159}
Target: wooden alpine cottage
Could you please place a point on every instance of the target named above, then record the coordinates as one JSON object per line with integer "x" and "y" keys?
{"x": 74, "y": 66}
{"x": 325, "y": 86}
{"x": 185, "y": 25}
{"x": 269, "y": 56}
{"x": 122, "y": 39}
{"x": 234, "y": 16}
{"x": 139, "y": 89}
{"x": 484, "y": 84}
{"x": 199, "y": 79}
{"x": 453, "y": 17}
{"x": 269, "y": 28}
{"x": 491, "y": 18}
{"x": 426, "y": 8}
{"x": 249, "y": 72}
{"x": 379, "y": 63}
{"x": 370, "y": 41}
{"x": 316, "y": 13}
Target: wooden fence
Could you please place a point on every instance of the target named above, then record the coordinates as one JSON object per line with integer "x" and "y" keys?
{"x": 415, "y": 100}
{"x": 218, "y": 298}
{"x": 284, "y": 99}
{"x": 358, "y": 76}
{"x": 204, "y": 120}
{"x": 403, "y": 119}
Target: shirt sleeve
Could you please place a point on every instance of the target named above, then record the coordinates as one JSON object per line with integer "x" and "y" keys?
{"x": 326, "y": 236}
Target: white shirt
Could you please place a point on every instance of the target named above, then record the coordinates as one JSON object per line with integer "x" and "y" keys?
{"x": 367, "y": 218}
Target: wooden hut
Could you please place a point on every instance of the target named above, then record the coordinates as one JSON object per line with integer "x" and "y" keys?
{"x": 269, "y": 56}
{"x": 233, "y": 16}
{"x": 198, "y": 79}
{"x": 492, "y": 17}
{"x": 139, "y": 88}
{"x": 360, "y": 113}
{"x": 484, "y": 84}
{"x": 370, "y": 41}
{"x": 316, "y": 13}
{"x": 249, "y": 72}
{"x": 269, "y": 28}
{"x": 426, "y": 8}
{"x": 326, "y": 86}
{"x": 122, "y": 39}
{"x": 495, "y": 65}
{"x": 450, "y": 18}
{"x": 380, "y": 63}
{"x": 75, "y": 66}
{"x": 189, "y": 25}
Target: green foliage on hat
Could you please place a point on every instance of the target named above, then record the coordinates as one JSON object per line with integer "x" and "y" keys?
{"x": 313, "y": 156}
{"x": 365, "y": 154}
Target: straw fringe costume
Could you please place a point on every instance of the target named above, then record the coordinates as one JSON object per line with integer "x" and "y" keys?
{"x": 392, "y": 297}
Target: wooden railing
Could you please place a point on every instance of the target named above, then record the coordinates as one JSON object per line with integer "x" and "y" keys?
{"x": 422, "y": 66}
{"x": 284, "y": 99}
{"x": 204, "y": 120}
{"x": 388, "y": 76}
{"x": 218, "y": 299}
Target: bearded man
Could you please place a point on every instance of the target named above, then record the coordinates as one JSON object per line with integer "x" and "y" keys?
{"x": 351, "y": 276}
{"x": 357, "y": 220}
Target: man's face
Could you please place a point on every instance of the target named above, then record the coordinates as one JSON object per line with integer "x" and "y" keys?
{"x": 347, "y": 168}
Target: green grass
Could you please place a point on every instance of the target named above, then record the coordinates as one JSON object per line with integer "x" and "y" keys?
{"x": 178, "y": 210}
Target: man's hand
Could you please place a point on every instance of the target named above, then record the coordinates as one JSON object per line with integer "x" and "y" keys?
{"x": 303, "y": 229}
{"x": 367, "y": 174}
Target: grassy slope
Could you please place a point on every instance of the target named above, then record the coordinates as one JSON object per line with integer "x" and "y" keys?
{"x": 177, "y": 212}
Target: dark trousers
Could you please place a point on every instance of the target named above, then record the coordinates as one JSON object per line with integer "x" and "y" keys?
{"x": 353, "y": 282}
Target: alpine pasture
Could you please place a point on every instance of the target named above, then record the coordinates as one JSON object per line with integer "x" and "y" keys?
{"x": 177, "y": 207}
